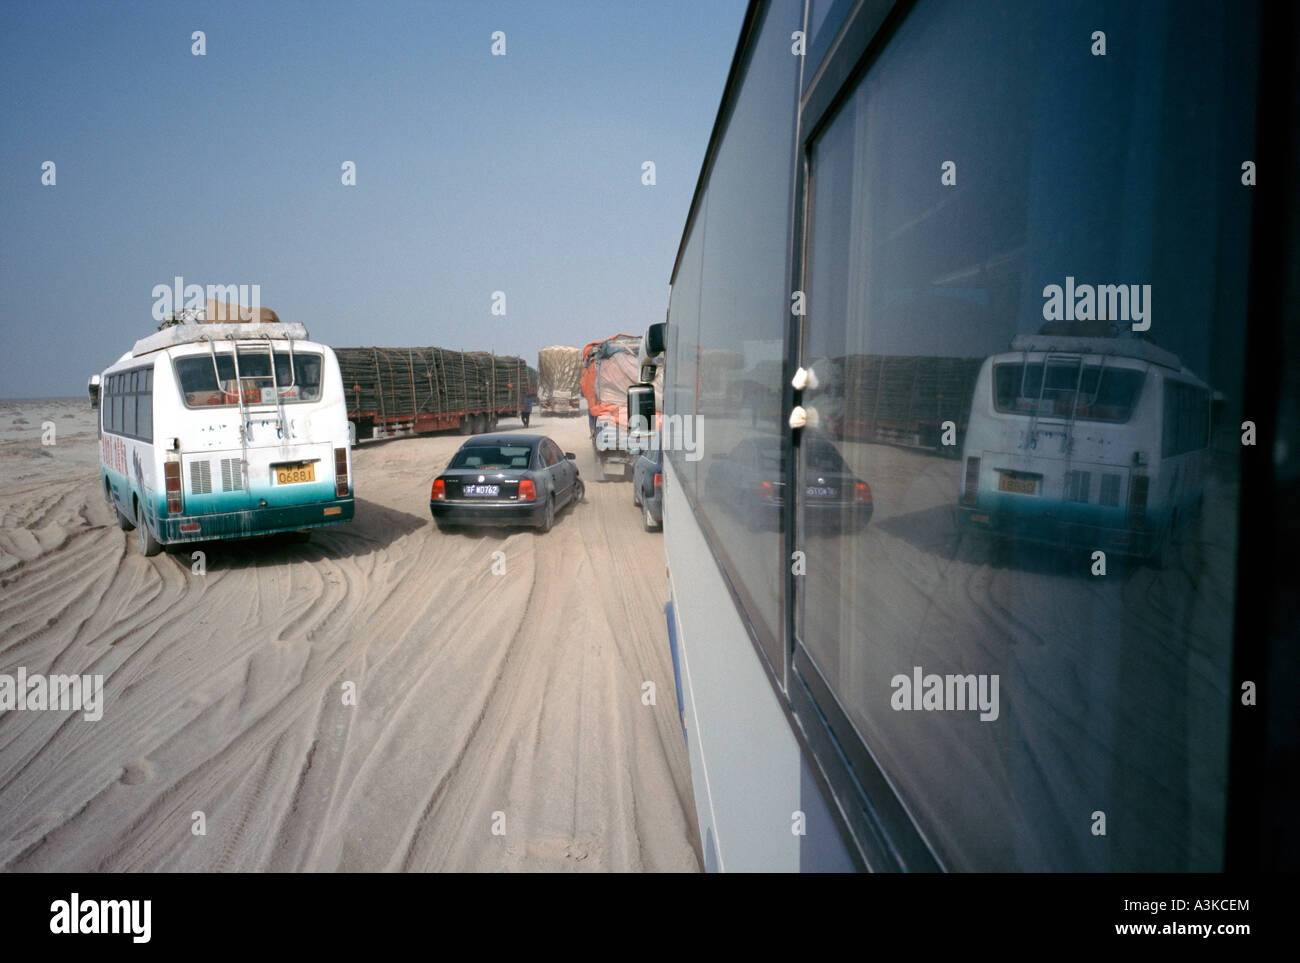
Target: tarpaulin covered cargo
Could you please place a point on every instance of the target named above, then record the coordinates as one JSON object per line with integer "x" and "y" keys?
{"x": 610, "y": 367}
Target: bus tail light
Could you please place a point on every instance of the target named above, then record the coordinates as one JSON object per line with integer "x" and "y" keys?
{"x": 439, "y": 491}
{"x": 527, "y": 490}
{"x": 340, "y": 472}
{"x": 970, "y": 494}
{"x": 1137, "y": 500}
{"x": 172, "y": 483}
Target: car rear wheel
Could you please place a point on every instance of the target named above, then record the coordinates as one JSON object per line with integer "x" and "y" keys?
{"x": 548, "y": 520}
{"x": 648, "y": 520}
{"x": 444, "y": 527}
{"x": 149, "y": 546}
{"x": 636, "y": 493}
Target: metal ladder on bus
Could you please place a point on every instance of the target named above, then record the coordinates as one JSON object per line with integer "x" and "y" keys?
{"x": 1062, "y": 360}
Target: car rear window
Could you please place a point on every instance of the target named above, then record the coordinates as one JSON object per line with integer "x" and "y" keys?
{"x": 492, "y": 456}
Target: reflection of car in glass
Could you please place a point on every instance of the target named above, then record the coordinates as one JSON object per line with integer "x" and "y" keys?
{"x": 648, "y": 487}
{"x": 749, "y": 482}
{"x": 505, "y": 479}
{"x": 1099, "y": 442}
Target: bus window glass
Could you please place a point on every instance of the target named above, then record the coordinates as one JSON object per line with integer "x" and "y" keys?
{"x": 1020, "y": 590}
{"x": 144, "y": 417}
{"x": 200, "y": 387}
{"x": 1093, "y": 394}
{"x": 743, "y": 300}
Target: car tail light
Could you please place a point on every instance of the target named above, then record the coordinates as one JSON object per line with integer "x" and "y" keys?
{"x": 172, "y": 482}
{"x": 970, "y": 495}
{"x": 659, "y": 480}
{"x": 1137, "y": 501}
{"x": 765, "y": 491}
{"x": 439, "y": 492}
{"x": 340, "y": 472}
{"x": 527, "y": 490}
{"x": 863, "y": 493}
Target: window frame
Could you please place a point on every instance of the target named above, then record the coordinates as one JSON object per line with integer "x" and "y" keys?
{"x": 867, "y": 807}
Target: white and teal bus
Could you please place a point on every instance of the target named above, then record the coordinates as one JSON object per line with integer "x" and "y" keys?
{"x": 1086, "y": 441}
{"x": 890, "y": 189}
{"x": 224, "y": 430}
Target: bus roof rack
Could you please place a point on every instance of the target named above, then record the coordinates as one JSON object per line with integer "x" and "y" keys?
{"x": 1112, "y": 347}
{"x": 192, "y": 333}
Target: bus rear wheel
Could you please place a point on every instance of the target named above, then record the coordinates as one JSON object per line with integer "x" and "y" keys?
{"x": 149, "y": 546}
{"x": 124, "y": 523}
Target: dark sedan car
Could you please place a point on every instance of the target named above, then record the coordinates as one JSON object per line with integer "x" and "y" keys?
{"x": 505, "y": 479}
{"x": 749, "y": 482}
{"x": 648, "y": 487}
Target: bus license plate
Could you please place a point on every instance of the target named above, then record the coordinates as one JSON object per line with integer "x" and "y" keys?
{"x": 481, "y": 489}
{"x": 293, "y": 474}
{"x": 1021, "y": 486}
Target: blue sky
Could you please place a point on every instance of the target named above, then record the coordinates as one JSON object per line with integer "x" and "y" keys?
{"x": 475, "y": 173}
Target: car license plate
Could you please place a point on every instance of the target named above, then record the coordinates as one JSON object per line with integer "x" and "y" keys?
{"x": 817, "y": 491}
{"x": 293, "y": 474}
{"x": 1021, "y": 486}
{"x": 481, "y": 489}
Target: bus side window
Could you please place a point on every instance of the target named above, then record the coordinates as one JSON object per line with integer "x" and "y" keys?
{"x": 144, "y": 406}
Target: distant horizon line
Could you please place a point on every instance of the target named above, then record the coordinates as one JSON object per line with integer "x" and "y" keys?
{"x": 10, "y": 401}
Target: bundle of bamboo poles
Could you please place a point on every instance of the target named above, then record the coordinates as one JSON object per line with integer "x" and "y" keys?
{"x": 404, "y": 382}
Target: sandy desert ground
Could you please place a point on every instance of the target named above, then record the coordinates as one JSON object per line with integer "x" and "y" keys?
{"x": 485, "y": 701}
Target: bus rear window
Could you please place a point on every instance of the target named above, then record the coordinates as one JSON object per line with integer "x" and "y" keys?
{"x": 1094, "y": 393}
{"x": 204, "y": 384}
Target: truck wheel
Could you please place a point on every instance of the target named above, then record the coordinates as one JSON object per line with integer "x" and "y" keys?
{"x": 149, "y": 546}
{"x": 466, "y": 427}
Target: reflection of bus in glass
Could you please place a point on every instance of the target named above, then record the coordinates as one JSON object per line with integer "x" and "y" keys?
{"x": 1085, "y": 441}
{"x": 211, "y": 431}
